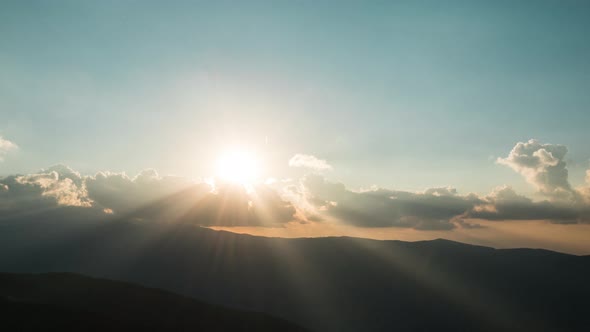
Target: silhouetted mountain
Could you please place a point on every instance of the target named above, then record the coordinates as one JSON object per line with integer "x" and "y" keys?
{"x": 325, "y": 284}
{"x": 70, "y": 302}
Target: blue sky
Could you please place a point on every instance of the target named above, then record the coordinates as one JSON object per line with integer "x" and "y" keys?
{"x": 405, "y": 95}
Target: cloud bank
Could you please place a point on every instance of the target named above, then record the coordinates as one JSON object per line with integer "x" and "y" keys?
{"x": 432, "y": 209}
{"x": 61, "y": 192}
{"x": 542, "y": 165}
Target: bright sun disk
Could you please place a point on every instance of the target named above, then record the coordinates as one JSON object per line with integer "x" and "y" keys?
{"x": 237, "y": 166}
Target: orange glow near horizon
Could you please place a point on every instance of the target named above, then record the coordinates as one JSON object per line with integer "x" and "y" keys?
{"x": 571, "y": 239}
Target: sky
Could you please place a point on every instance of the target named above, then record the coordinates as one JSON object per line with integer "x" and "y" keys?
{"x": 395, "y": 95}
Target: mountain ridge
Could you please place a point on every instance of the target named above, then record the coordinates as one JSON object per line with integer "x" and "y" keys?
{"x": 435, "y": 240}
{"x": 323, "y": 284}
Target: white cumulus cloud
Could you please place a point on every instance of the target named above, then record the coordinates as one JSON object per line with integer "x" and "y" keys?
{"x": 5, "y": 147}
{"x": 542, "y": 165}
{"x": 309, "y": 161}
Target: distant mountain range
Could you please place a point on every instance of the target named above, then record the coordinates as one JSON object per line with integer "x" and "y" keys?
{"x": 323, "y": 284}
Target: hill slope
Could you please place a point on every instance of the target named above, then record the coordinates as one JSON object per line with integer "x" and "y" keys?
{"x": 64, "y": 301}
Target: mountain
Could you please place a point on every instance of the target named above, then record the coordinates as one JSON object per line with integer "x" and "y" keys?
{"x": 324, "y": 284}
{"x": 70, "y": 302}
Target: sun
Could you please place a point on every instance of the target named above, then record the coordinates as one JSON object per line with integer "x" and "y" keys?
{"x": 238, "y": 166}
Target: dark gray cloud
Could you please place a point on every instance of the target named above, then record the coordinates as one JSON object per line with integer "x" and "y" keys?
{"x": 433, "y": 209}
{"x": 122, "y": 194}
{"x": 505, "y": 204}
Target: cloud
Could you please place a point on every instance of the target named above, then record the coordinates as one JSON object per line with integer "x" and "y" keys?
{"x": 56, "y": 186}
{"x": 542, "y": 165}
{"x": 63, "y": 190}
{"x": 55, "y": 194}
{"x": 309, "y": 161}
{"x": 5, "y": 147}
{"x": 584, "y": 190}
{"x": 433, "y": 209}
{"x": 233, "y": 205}
{"x": 62, "y": 193}
{"x": 169, "y": 198}
{"x": 439, "y": 208}
{"x": 121, "y": 193}
{"x": 503, "y": 203}
{"x": 441, "y": 191}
